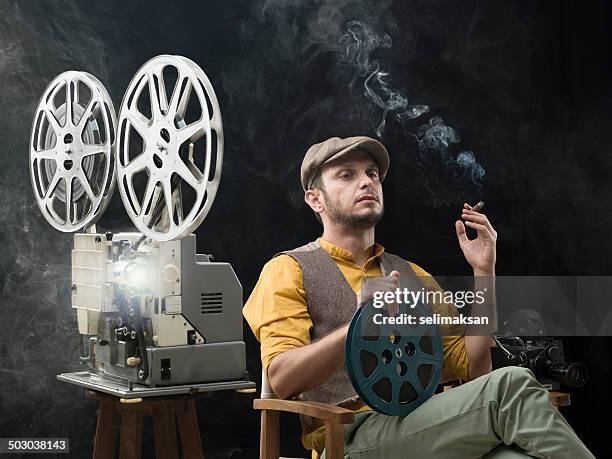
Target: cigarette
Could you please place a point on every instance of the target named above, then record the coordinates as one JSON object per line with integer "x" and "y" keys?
{"x": 476, "y": 207}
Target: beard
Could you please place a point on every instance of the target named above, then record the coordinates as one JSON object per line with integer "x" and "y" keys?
{"x": 348, "y": 220}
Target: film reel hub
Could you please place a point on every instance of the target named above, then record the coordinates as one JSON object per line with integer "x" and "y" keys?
{"x": 69, "y": 151}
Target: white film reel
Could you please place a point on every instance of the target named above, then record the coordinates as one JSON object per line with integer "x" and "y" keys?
{"x": 170, "y": 147}
{"x": 72, "y": 151}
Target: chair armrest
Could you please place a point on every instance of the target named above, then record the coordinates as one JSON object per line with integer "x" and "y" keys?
{"x": 325, "y": 412}
{"x": 559, "y": 399}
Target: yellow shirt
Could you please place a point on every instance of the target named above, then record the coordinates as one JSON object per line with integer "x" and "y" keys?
{"x": 277, "y": 312}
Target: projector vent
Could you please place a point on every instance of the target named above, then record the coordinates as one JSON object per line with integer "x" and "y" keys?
{"x": 211, "y": 303}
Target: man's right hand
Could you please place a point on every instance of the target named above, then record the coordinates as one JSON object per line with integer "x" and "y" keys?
{"x": 371, "y": 285}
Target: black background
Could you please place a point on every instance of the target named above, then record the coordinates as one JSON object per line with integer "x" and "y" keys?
{"x": 526, "y": 84}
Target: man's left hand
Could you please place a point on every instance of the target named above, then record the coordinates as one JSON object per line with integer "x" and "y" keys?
{"x": 480, "y": 252}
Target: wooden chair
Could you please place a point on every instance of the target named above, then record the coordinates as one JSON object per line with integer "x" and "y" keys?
{"x": 333, "y": 416}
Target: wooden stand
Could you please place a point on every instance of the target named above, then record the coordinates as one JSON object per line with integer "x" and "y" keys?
{"x": 127, "y": 414}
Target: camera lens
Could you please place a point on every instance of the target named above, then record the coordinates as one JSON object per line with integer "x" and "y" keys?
{"x": 572, "y": 374}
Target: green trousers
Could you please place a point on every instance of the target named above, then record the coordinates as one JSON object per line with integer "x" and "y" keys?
{"x": 506, "y": 414}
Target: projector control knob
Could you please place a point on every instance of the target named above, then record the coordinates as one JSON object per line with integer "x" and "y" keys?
{"x": 170, "y": 273}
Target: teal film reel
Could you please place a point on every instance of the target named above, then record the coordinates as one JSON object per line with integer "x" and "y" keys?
{"x": 394, "y": 368}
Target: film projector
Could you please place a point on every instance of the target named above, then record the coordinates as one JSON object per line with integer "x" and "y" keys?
{"x": 157, "y": 318}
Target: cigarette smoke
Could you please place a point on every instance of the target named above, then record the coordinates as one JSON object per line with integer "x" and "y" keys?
{"x": 444, "y": 176}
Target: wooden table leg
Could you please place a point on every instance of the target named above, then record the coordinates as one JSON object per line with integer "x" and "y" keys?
{"x": 106, "y": 431}
{"x": 168, "y": 413}
{"x": 164, "y": 427}
{"x": 187, "y": 418}
{"x": 130, "y": 445}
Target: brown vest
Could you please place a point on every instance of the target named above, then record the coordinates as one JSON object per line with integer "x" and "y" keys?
{"x": 332, "y": 303}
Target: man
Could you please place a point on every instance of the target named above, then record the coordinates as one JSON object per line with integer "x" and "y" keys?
{"x": 305, "y": 298}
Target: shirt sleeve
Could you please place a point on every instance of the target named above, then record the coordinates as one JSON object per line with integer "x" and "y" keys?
{"x": 277, "y": 311}
{"x": 455, "y": 364}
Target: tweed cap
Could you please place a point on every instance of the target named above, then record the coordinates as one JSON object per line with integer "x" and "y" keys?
{"x": 334, "y": 148}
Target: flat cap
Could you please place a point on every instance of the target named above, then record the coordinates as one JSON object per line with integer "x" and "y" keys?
{"x": 334, "y": 148}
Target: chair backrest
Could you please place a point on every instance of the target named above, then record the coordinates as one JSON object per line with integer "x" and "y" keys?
{"x": 266, "y": 389}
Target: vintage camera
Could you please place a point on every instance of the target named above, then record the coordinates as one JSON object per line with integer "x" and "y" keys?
{"x": 543, "y": 356}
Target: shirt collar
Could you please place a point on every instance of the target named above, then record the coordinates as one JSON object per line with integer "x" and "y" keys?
{"x": 338, "y": 252}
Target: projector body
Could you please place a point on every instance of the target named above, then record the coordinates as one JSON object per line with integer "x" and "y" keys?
{"x": 156, "y": 313}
